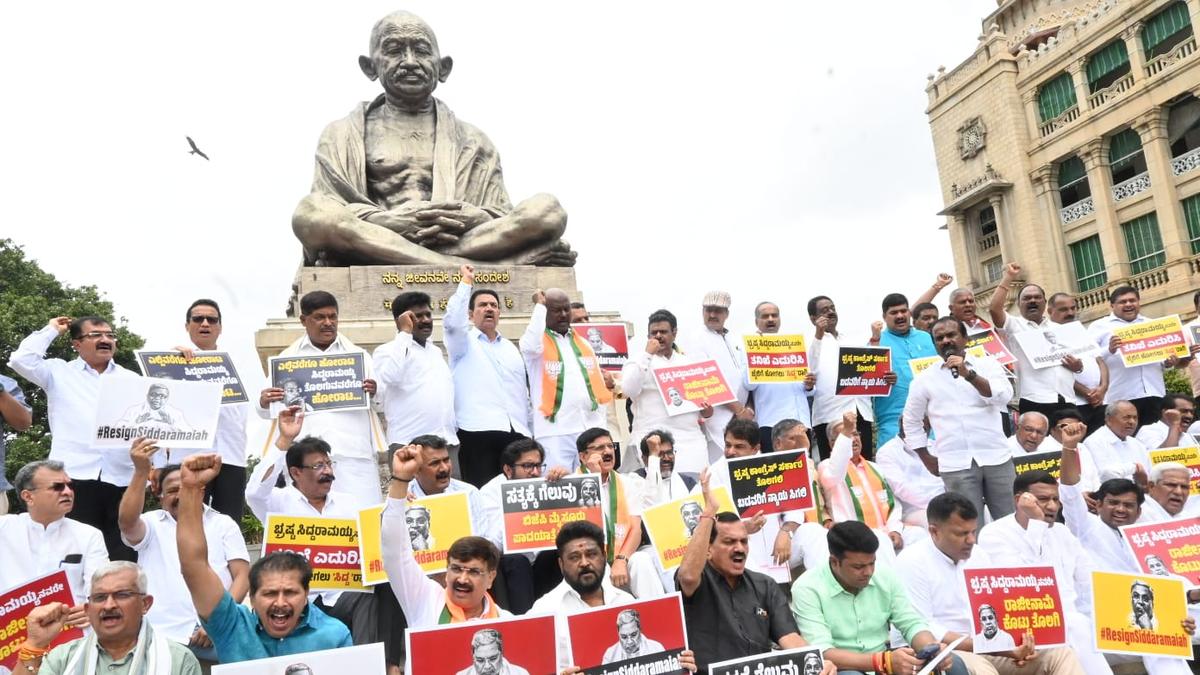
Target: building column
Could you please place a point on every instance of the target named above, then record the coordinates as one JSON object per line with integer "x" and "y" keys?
{"x": 1054, "y": 271}
{"x": 1095, "y": 159}
{"x": 1003, "y": 227}
{"x": 1029, "y": 98}
{"x": 1133, "y": 45}
{"x": 1079, "y": 79}
{"x": 1156, "y": 147}
{"x": 966, "y": 260}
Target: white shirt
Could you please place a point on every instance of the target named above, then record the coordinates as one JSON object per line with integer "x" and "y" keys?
{"x": 1153, "y": 512}
{"x": 777, "y": 401}
{"x": 1153, "y": 435}
{"x": 490, "y": 391}
{"x": 838, "y": 498}
{"x": 72, "y": 392}
{"x": 936, "y": 586}
{"x": 1089, "y": 476}
{"x": 30, "y": 551}
{"x": 1040, "y": 385}
{"x": 650, "y": 413}
{"x": 577, "y": 411}
{"x": 418, "y": 390}
{"x": 1125, "y": 384}
{"x": 827, "y": 407}
{"x": 1105, "y": 544}
{"x": 1008, "y": 544}
{"x": 563, "y": 601}
{"x": 173, "y": 613}
{"x": 1048, "y": 444}
{"x": 728, "y": 350}
{"x": 485, "y": 515}
{"x": 658, "y": 490}
{"x": 966, "y": 424}
{"x": 1088, "y": 377}
{"x": 1115, "y": 457}
{"x": 911, "y": 482}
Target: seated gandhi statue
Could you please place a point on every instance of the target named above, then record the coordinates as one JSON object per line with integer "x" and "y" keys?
{"x": 402, "y": 181}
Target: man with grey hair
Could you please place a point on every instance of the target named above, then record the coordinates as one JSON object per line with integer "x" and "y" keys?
{"x": 631, "y": 642}
{"x": 1168, "y": 490}
{"x": 777, "y": 401}
{"x": 1033, "y": 429}
{"x": 487, "y": 655}
{"x": 43, "y": 540}
{"x": 1115, "y": 451}
{"x": 1141, "y": 601}
{"x": 718, "y": 343}
{"x": 121, "y": 642}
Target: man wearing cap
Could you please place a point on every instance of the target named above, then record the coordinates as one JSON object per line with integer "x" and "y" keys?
{"x": 717, "y": 343}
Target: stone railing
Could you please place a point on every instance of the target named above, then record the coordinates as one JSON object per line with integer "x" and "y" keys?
{"x": 989, "y": 242}
{"x": 1180, "y": 52}
{"x": 1186, "y": 162}
{"x": 1110, "y": 92}
{"x": 1194, "y": 264}
{"x": 1155, "y": 277}
{"x": 1072, "y": 213}
{"x": 1092, "y": 298}
{"x": 1050, "y": 126}
{"x": 1128, "y": 188}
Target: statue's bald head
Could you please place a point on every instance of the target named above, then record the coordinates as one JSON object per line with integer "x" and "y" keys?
{"x": 405, "y": 58}
{"x": 402, "y": 22}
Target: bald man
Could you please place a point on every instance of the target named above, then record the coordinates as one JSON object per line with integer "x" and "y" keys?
{"x": 567, "y": 389}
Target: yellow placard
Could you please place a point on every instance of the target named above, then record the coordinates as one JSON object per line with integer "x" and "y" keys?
{"x": 1152, "y": 341}
{"x": 434, "y": 523}
{"x": 329, "y": 544}
{"x": 775, "y": 358}
{"x": 669, "y": 525}
{"x": 1189, "y": 457}
{"x": 370, "y": 545}
{"x": 919, "y": 366}
{"x": 1140, "y": 614}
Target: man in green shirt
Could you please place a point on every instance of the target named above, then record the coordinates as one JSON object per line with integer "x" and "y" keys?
{"x": 121, "y": 642}
{"x": 849, "y": 604}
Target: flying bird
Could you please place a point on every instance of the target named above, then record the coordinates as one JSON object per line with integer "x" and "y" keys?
{"x": 195, "y": 150}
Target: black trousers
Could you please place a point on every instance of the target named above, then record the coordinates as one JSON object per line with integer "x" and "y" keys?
{"x": 526, "y": 581}
{"x": 1149, "y": 409}
{"x": 866, "y": 431}
{"x": 1048, "y": 409}
{"x": 227, "y": 494}
{"x": 765, "y": 444}
{"x": 479, "y": 454}
{"x": 96, "y": 504}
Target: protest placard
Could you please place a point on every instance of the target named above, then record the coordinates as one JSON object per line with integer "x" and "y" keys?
{"x": 1008, "y": 601}
{"x": 685, "y": 388}
{"x": 800, "y": 661}
{"x": 987, "y": 343}
{"x": 670, "y": 524}
{"x": 1046, "y": 346}
{"x": 434, "y": 523}
{"x": 1167, "y": 549}
{"x": 608, "y": 341}
{"x": 1194, "y": 330}
{"x": 1188, "y": 456}
{"x": 1050, "y": 461}
{"x": 642, "y": 636}
{"x": 921, "y": 365}
{"x": 370, "y": 545}
{"x": 360, "y": 660}
{"x": 17, "y": 602}
{"x": 523, "y": 645}
{"x": 536, "y": 509}
{"x": 319, "y": 383}
{"x": 775, "y": 358}
{"x": 330, "y": 545}
{"x": 1152, "y": 341}
{"x": 177, "y": 414}
{"x": 767, "y": 483}
{"x": 1140, "y": 614}
{"x": 203, "y": 367}
{"x": 861, "y": 371}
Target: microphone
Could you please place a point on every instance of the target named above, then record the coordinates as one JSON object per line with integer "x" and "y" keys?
{"x": 953, "y": 369}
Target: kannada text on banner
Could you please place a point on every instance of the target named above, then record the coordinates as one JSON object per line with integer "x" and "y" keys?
{"x": 921, "y": 365}
{"x": 203, "y": 367}
{"x": 670, "y": 525}
{"x": 1169, "y": 548}
{"x": 1152, "y": 341}
{"x": 16, "y": 604}
{"x": 319, "y": 383}
{"x": 685, "y": 388}
{"x": 1140, "y": 614}
{"x": 330, "y": 545}
{"x": 801, "y": 661}
{"x": 986, "y": 343}
{"x": 605, "y": 640}
{"x": 177, "y": 413}
{"x": 1189, "y": 457}
{"x": 769, "y": 483}
{"x": 776, "y": 358}
{"x": 1008, "y": 601}
{"x": 861, "y": 371}
{"x": 434, "y": 523}
{"x": 528, "y": 646}
{"x": 536, "y": 509}
{"x": 1050, "y": 461}
{"x": 608, "y": 341}
{"x": 370, "y": 545}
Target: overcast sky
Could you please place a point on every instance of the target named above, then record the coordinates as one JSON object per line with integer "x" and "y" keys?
{"x": 776, "y": 150}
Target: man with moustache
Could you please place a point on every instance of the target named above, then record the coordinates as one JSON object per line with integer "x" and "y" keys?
{"x": 827, "y": 406}
{"x": 1091, "y": 383}
{"x": 1115, "y": 450}
{"x": 418, "y": 389}
{"x": 923, "y": 316}
{"x": 568, "y": 390}
{"x": 718, "y": 343}
{"x": 152, "y": 535}
{"x": 775, "y": 401}
{"x": 491, "y": 394}
{"x": 352, "y": 435}
{"x": 906, "y": 344}
{"x": 855, "y": 488}
{"x": 1044, "y": 390}
{"x": 962, "y": 307}
{"x": 963, "y": 400}
{"x": 433, "y": 478}
{"x": 661, "y": 482}
{"x": 1169, "y": 488}
{"x": 72, "y": 393}
{"x": 1171, "y": 430}
{"x": 1033, "y": 429}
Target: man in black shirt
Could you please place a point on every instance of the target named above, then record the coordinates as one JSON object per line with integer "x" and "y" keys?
{"x": 731, "y": 612}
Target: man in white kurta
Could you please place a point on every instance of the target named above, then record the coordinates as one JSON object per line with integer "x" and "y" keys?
{"x": 717, "y": 343}
{"x": 418, "y": 389}
{"x": 827, "y": 406}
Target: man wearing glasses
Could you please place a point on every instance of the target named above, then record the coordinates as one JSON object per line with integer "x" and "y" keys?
{"x": 434, "y": 479}
{"x": 72, "y": 392}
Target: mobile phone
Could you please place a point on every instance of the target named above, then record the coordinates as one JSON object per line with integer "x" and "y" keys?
{"x": 929, "y": 651}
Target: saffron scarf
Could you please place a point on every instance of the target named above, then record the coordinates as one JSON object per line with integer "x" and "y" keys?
{"x": 554, "y": 374}
{"x": 617, "y": 527}
{"x": 452, "y": 613}
{"x": 872, "y": 512}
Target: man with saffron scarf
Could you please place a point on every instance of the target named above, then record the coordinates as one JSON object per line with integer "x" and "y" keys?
{"x": 567, "y": 388}
{"x": 855, "y": 488}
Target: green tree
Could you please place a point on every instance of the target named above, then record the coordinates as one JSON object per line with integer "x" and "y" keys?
{"x": 29, "y": 297}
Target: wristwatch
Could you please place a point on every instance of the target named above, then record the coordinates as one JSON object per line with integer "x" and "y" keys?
{"x": 621, "y": 556}
{"x": 970, "y": 376}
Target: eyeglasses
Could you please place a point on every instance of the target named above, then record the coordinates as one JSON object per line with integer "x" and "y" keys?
{"x": 531, "y": 466}
{"x": 119, "y": 596}
{"x": 58, "y": 486}
{"x": 601, "y": 446}
{"x": 459, "y": 570}
{"x": 205, "y": 319}
{"x": 320, "y": 466}
{"x": 97, "y": 334}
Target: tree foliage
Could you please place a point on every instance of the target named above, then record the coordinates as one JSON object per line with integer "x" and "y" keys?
{"x": 29, "y": 297}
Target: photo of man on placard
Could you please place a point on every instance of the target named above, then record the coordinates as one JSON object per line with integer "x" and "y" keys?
{"x": 487, "y": 656}
{"x": 156, "y": 412}
{"x": 631, "y": 642}
{"x": 1141, "y": 600}
{"x": 419, "y": 527}
{"x": 991, "y": 638}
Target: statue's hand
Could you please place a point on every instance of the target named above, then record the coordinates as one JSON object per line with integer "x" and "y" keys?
{"x": 404, "y": 224}
{"x": 468, "y": 215}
